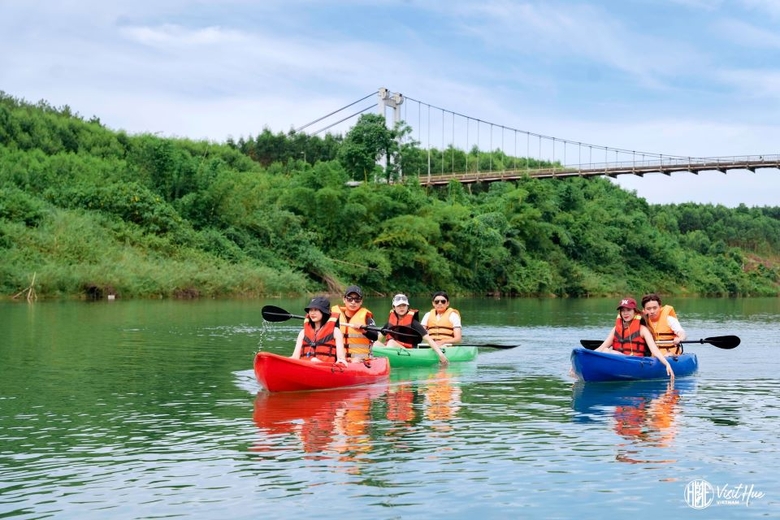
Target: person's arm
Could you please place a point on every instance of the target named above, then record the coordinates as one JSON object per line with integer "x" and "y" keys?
{"x": 432, "y": 342}
{"x": 679, "y": 332}
{"x": 370, "y": 334}
{"x": 607, "y": 343}
{"x": 383, "y": 338}
{"x": 424, "y": 321}
{"x": 645, "y": 332}
{"x": 298, "y": 346}
{"x": 457, "y": 328}
{"x": 341, "y": 352}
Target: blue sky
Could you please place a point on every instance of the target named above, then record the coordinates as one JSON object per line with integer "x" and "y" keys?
{"x": 681, "y": 77}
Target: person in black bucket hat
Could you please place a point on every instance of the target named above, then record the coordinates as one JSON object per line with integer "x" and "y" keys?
{"x": 321, "y": 339}
{"x": 353, "y": 318}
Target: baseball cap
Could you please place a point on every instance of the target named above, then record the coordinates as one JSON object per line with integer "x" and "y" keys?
{"x": 354, "y": 289}
{"x": 400, "y": 299}
{"x": 629, "y": 303}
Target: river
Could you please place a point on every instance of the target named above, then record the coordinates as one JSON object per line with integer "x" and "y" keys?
{"x": 150, "y": 409}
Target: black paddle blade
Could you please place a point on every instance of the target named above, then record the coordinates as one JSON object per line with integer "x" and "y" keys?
{"x": 590, "y": 344}
{"x": 276, "y": 314}
{"x": 724, "y": 342}
{"x": 403, "y": 333}
{"x": 485, "y": 345}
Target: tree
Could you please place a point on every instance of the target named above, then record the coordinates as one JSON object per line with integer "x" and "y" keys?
{"x": 368, "y": 142}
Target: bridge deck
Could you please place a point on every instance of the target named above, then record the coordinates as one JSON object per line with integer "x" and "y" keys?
{"x": 692, "y": 165}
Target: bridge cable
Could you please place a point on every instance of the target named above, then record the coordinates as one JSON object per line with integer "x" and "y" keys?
{"x": 342, "y": 120}
{"x": 547, "y": 137}
{"x": 334, "y": 112}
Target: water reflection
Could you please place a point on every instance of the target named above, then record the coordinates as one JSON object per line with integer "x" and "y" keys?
{"x": 323, "y": 422}
{"x": 346, "y": 424}
{"x": 642, "y": 413}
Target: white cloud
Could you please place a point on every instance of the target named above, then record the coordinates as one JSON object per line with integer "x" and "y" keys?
{"x": 573, "y": 70}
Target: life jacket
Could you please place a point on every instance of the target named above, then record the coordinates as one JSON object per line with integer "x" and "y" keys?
{"x": 629, "y": 340}
{"x": 321, "y": 343}
{"x": 355, "y": 343}
{"x": 440, "y": 327}
{"x": 662, "y": 333}
{"x": 405, "y": 320}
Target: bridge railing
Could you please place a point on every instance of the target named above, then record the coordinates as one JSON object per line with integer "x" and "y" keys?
{"x": 660, "y": 163}
{"x": 666, "y": 165}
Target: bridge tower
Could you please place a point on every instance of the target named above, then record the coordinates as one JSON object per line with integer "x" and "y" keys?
{"x": 393, "y": 100}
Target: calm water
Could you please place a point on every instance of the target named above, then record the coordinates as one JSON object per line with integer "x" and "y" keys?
{"x": 150, "y": 409}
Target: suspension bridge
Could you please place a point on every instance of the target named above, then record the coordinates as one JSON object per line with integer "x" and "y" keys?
{"x": 441, "y": 132}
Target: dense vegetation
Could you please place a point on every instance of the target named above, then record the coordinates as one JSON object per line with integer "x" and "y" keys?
{"x": 89, "y": 211}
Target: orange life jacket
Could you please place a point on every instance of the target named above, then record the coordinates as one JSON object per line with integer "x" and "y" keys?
{"x": 321, "y": 343}
{"x": 629, "y": 340}
{"x": 440, "y": 328}
{"x": 355, "y": 343}
{"x": 662, "y": 332}
{"x": 405, "y": 320}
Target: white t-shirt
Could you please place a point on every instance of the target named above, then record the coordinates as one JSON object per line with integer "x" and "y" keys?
{"x": 675, "y": 325}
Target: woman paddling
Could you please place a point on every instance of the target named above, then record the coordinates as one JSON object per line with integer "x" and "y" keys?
{"x": 320, "y": 340}
{"x": 630, "y": 337}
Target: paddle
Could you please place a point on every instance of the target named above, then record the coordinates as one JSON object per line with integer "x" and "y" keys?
{"x": 724, "y": 342}
{"x": 478, "y": 345}
{"x": 277, "y": 314}
{"x": 489, "y": 345}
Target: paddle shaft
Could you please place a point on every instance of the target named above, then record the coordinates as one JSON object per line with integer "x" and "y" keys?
{"x": 276, "y": 314}
{"x": 724, "y": 342}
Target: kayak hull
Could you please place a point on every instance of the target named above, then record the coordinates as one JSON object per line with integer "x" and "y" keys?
{"x": 590, "y": 365}
{"x": 423, "y": 357}
{"x": 283, "y": 374}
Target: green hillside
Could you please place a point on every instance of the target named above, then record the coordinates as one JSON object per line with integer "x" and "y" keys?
{"x": 88, "y": 211}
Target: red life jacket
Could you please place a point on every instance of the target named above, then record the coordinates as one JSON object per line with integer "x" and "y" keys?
{"x": 320, "y": 344}
{"x": 405, "y": 320}
{"x": 629, "y": 340}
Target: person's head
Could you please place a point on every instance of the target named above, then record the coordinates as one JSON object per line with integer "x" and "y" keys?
{"x": 318, "y": 309}
{"x": 627, "y": 308}
{"x": 440, "y": 301}
{"x": 353, "y": 297}
{"x": 651, "y": 303}
{"x": 400, "y": 304}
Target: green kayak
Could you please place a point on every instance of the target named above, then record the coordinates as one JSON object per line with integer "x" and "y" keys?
{"x": 423, "y": 355}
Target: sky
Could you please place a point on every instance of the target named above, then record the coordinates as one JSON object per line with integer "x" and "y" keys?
{"x": 696, "y": 78}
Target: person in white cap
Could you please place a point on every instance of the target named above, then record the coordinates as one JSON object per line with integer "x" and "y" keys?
{"x": 402, "y": 314}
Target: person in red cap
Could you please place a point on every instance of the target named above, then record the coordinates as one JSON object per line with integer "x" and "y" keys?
{"x": 631, "y": 337}
{"x": 352, "y": 319}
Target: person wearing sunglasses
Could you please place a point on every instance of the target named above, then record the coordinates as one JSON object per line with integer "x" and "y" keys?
{"x": 443, "y": 322}
{"x": 402, "y": 314}
{"x": 352, "y": 320}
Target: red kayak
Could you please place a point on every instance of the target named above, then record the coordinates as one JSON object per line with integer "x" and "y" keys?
{"x": 283, "y": 374}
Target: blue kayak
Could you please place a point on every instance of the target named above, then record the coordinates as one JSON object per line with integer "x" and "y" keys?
{"x": 590, "y": 365}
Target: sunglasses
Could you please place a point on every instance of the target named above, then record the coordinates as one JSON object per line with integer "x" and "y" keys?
{"x": 353, "y": 299}
{"x": 439, "y": 301}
